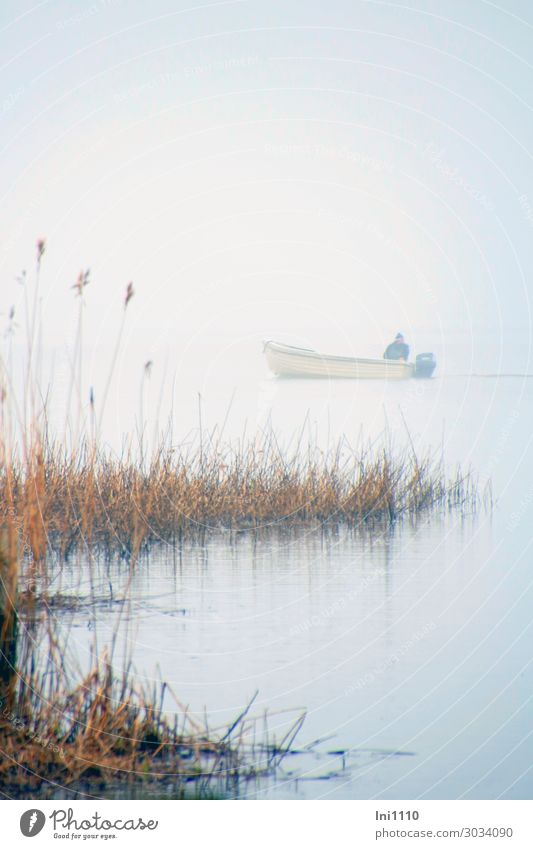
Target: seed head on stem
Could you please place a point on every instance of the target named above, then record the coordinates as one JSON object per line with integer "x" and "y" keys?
{"x": 81, "y": 282}
{"x": 41, "y": 247}
{"x": 129, "y": 294}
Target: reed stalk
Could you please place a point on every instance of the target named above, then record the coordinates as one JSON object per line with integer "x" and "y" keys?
{"x": 9, "y": 577}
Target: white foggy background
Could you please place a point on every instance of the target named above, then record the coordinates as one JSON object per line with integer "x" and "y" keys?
{"x": 324, "y": 174}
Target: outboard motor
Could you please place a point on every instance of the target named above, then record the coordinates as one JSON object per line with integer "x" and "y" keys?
{"x": 425, "y": 365}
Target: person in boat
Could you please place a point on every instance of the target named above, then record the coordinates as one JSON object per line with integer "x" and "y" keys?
{"x": 397, "y": 350}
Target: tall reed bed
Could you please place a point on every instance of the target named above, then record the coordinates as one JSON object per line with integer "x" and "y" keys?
{"x": 62, "y": 501}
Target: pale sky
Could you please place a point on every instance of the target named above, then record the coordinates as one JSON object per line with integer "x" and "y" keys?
{"x": 325, "y": 172}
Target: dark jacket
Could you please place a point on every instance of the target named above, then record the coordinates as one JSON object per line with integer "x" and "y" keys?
{"x": 397, "y": 351}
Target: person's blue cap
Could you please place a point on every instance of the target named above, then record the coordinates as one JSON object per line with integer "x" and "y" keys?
{"x": 399, "y": 336}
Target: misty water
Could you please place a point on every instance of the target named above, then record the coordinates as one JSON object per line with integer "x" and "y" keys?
{"x": 409, "y": 648}
{"x": 325, "y": 174}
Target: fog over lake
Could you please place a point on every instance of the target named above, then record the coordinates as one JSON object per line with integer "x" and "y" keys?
{"x": 325, "y": 175}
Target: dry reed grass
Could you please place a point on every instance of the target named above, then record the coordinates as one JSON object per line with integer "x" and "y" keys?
{"x": 106, "y": 733}
{"x": 59, "y": 501}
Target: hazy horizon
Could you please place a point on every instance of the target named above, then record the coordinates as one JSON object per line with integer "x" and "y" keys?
{"x": 346, "y": 170}
{"x": 322, "y": 175}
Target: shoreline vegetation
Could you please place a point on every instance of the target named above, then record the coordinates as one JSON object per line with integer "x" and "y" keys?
{"x": 59, "y": 502}
{"x": 63, "y": 731}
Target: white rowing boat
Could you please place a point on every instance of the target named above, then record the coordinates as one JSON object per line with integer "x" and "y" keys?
{"x": 288, "y": 361}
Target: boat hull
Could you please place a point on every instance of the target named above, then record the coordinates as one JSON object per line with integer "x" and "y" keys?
{"x": 287, "y": 361}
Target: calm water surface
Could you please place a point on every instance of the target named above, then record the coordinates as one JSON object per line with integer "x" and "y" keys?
{"x": 410, "y": 649}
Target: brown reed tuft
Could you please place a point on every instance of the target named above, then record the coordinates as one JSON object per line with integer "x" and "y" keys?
{"x": 104, "y": 734}
{"x": 59, "y": 500}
